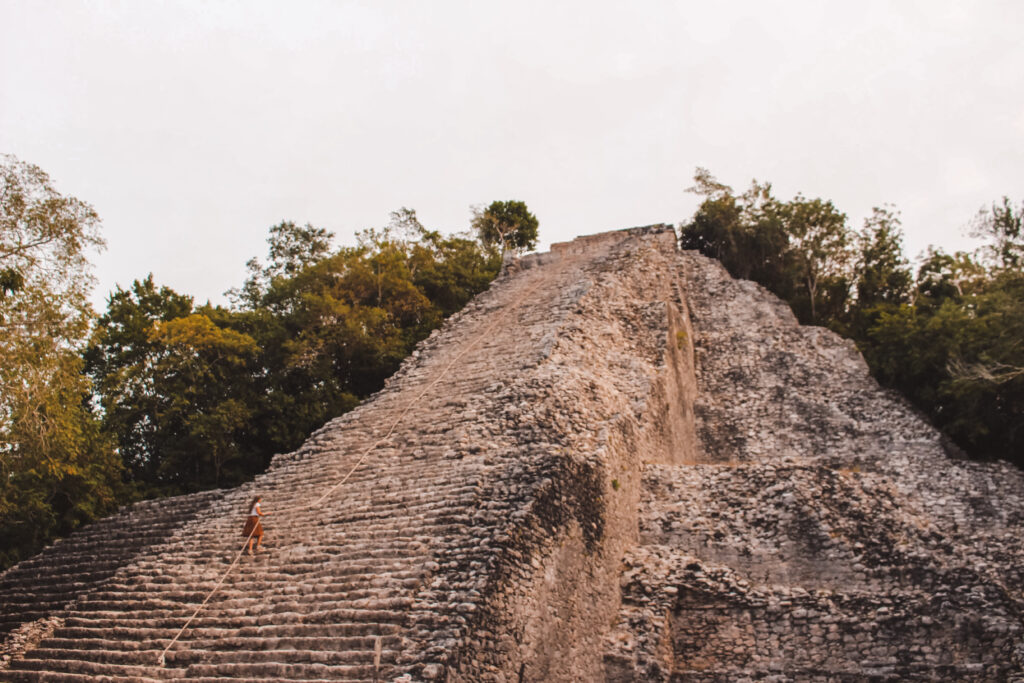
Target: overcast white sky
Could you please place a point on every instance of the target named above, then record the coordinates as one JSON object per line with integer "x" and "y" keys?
{"x": 192, "y": 127}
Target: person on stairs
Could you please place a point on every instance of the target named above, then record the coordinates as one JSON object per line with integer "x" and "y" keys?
{"x": 253, "y": 526}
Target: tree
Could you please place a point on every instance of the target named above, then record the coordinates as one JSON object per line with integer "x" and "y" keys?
{"x": 958, "y": 356}
{"x": 818, "y": 238}
{"x": 1003, "y": 227}
{"x": 943, "y": 276}
{"x": 452, "y": 270}
{"x": 707, "y": 186}
{"x": 745, "y": 233}
{"x": 56, "y": 471}
{"x": 204, "y": 402}
{"x": 713, "y": 228}
{"x": 121, "y": 362}
{"x": 293, "y": 248}
{"x": 177, "y": 388}
{"x": 881, "y": 271}
{"x": 290, "y": 250}
{"x": 508, "y": 225}
{"x": 797, "y": 249}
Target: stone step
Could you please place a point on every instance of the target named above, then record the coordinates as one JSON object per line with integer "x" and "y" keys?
{"x": 253, "y": 653}
{"x": 395, "y": 478}
{"x": 206, "y": 619}
{"x": 164, "y": 674}
{"x": 82, "y": 667}
{"x": 134, "y": 636}
{"x": 356, "y": 610}
{"x": 323, "y": 651}
{"x": 85, "y": 551}
{"x": 288, "y": 560}
{"x": 27, "y": 603}
{"x": 286, "y": 577}
{"x": 278, "y": 679}
{"x": 309, "y": 643}
{"x": 351, "y": 576}
{"x": 276, "y": 671}
{"x": 201, "y": 637}
{"x": 357, "y": 587}
{"x": 36, "y": 676}
{"x": 93, "y": 563}
{"x": 12, "y": 621}
{"x": 367, "y": 518}
{"x": 247, "y": 604}
{"x": 261, "y": 575}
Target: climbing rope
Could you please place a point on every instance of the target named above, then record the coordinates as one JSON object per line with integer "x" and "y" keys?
{"x": 366, "y": 452}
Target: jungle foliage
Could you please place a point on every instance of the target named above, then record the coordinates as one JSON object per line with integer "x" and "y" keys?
{"x": 203, "y": 396}
{"x": 57, "y": 468}
{"x": 948, "y": 335}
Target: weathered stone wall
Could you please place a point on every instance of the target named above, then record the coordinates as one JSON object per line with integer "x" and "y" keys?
{"x": 824, "y": 533}
{"x": 617, "y": 464}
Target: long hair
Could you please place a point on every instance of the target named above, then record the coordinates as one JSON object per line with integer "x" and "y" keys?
{"x": 254, "y": 501}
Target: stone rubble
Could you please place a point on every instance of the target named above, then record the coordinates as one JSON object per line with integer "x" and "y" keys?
{"x": 25, "y": 637}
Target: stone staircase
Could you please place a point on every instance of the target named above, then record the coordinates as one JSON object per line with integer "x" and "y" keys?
{"x": 73, "y": 567}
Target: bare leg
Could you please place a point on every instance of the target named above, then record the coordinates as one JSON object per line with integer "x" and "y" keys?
{"x": 251, "y": 539}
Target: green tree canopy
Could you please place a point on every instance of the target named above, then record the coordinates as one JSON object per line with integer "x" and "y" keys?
{"x": 290, "y": 249}
{"x": 881, "y": 271}
{"x": 200, "y": 397}
{"x": 202, "y": 403}
{"x": 509, "y": 225}
{"x": 796, "y": 248}
{"x": 56, "y": 470}
{"x": 818, "y": 237}
{"x": 1002, "y": 226}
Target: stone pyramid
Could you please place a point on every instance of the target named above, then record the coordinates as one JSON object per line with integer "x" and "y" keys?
{"x": 618, "y": 464}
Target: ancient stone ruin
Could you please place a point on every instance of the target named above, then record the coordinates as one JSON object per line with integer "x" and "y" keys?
{"x": 618, "y": 464}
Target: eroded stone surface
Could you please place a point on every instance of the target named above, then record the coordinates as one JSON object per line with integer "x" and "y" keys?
{"x": 825, "y": 535}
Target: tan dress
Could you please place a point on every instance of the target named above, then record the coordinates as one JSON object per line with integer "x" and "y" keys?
{"x": 253, "y": 525}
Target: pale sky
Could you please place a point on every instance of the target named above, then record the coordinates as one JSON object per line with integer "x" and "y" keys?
{"x": 192, "y": 127}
